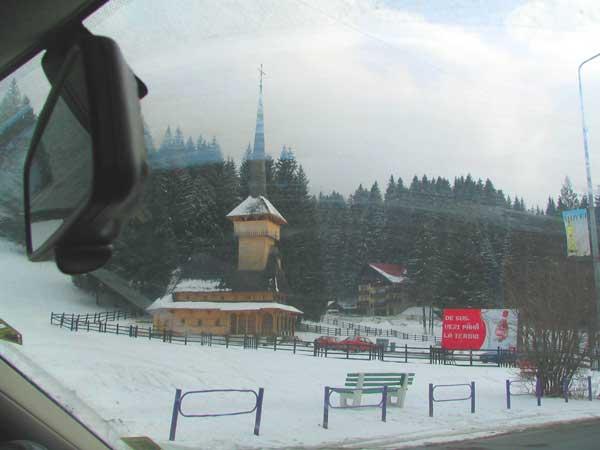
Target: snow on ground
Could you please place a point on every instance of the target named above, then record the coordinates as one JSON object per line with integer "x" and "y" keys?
{"x": 409, "y": 321}
{"x": 125, "y": 386}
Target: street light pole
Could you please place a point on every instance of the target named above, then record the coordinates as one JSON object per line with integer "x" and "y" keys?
{"x": 592, "y": 214}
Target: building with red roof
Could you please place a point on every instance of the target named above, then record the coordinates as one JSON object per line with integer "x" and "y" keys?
{"x": 383, "y": 289}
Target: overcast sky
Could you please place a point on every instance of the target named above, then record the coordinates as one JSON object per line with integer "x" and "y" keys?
{"x": 363, "y": 89}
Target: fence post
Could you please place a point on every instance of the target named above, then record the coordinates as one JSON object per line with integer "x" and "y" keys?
{"x": 326, "y": 408}
{"x": 507, "y": 394}
{"x": 589, "y": 379}
{"x": 384, "y": 405}
{"x": 294, "y": 346}
{"x": 259, "y": 402}
{"x": 175, "y": 414}
{"x": 347, "y": 351}
{"x": 498, "y": 353}
{"x": 471, "y": 357}
{"x": 275, "y": 344}
{"x": 430, "y": 399}
{"x": 405, "y": 353}
{"x": 150, "y": 333}
{"x": 117, "y": 328}
{"x": 431, "y": 354}
{"x": 185, "y": 339}
{"x": 566, "y": 389}
{"x": 226, "y": 341}
{"x": 472, "y": 397}
{"x": 538, "y": 390}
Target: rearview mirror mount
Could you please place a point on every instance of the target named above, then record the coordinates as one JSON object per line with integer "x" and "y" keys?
{"x": 86, "y": 162}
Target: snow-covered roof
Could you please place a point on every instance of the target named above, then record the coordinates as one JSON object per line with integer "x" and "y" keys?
{"x": 167, "y": 302}
{"x": 395, "y": 273}
{"x": 200, "y": 285}
{"x": 256, "y": 206}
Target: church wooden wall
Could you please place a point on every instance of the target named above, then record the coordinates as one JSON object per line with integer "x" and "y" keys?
{"x": 263, "y": 322}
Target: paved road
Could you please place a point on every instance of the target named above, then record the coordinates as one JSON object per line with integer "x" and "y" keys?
{"x": 577, "y": 435}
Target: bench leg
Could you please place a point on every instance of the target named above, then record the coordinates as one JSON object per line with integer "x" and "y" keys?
{"x": 344, "y": 400}
{"x": 357, "y": 397}
{"x": 391, "y": 396}
{"x": 401, "y": 397}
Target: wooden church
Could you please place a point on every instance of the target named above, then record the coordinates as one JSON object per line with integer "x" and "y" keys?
{"x": 248, "y": 299}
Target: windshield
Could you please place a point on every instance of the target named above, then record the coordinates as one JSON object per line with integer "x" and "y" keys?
{"x": 344, "y": 196}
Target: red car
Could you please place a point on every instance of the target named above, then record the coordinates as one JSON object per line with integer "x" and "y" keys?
{"x": 356, "y": 344}
{"x": 326, "y": 342}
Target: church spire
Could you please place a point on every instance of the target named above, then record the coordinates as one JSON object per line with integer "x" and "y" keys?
{"x": 259, "y": 135}
{"x": 258, "y": 179}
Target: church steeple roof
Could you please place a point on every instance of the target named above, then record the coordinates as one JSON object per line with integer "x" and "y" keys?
{"x": 258, "y": 177}
{"x": 259, "y": 134}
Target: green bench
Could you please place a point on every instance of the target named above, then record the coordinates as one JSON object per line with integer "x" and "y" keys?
{"x": 373, "y": 383}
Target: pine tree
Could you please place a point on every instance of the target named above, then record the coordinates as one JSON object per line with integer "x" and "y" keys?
{"x": 374, "y": 239}
{"x": 551, "y": 207}
{"x": 390, "y": 192}
{"x": 190, "y": 148}
{"x": 489, "y": 193}
{"x": 568, "y": 198}
{"x": 12, "y": 102}
{"x": 167, "y": 142}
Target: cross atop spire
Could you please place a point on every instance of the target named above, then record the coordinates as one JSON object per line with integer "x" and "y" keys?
{"x": 261, "y": 72}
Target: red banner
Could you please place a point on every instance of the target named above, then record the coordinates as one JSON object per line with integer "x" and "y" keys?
{"x": 463, "y": 329}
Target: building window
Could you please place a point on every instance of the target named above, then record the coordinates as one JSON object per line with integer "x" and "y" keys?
{"x": 199, "y": 323}
{"x": 182, "y": 321}
{"x": 218, "y": 322}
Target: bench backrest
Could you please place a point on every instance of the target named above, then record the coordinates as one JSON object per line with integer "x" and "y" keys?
{"x": 372, "y": 380}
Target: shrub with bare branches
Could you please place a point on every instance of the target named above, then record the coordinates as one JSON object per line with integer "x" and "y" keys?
{"x": 556, "y": 303}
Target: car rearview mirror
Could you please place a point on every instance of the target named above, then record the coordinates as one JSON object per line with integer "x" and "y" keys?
{"x": 86, "y": 161}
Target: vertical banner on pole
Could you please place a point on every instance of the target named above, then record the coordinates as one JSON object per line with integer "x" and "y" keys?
{"x": 576, "y": 228}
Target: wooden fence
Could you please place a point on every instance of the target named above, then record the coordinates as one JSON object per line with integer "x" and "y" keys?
{"x": 350, "y": 329}
{"x": 400, "y": 354}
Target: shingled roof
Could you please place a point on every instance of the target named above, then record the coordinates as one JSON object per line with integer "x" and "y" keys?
{"x": 257, "y": 206}
{"x": 205, "y": 273}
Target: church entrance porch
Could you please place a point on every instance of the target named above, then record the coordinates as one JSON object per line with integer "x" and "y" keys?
{"x": 262, "y": 323}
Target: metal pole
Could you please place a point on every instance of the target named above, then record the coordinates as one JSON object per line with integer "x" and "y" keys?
{"x": 175, "y": 415}
{"x": 384, "y": 400}
{"x": 507, "y": 394}
{"x": 326, "y": 408}
{"x": 430, "y": 399}
{"x": 259, "y": 403}
{"x": 593, "y": 226}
